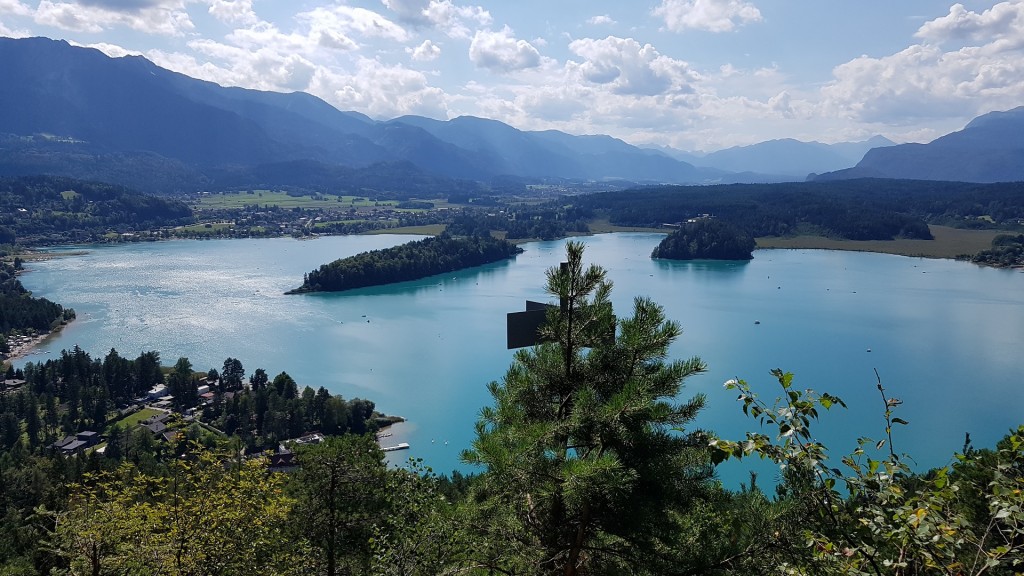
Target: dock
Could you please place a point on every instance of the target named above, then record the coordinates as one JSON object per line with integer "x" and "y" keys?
{"x": 401, "y": 446}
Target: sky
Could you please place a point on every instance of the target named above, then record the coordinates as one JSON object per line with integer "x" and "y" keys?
{"x": 697, "y": 75}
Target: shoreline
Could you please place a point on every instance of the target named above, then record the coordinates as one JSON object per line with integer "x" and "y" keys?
{"x": 948, "y": 243}
{"x": 27, "y": 344}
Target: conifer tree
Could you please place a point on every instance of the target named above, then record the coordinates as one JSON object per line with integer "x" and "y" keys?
{"x": 585, "y": 462}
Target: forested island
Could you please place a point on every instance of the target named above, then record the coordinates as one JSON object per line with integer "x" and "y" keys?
{"x": 706, "y": 238}
{"x": 409, "y": 261}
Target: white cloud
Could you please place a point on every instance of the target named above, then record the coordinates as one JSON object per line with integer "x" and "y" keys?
{"x": 333, "y": 40}
{"x": 443, "y": 15}
{"x": 710, "y": 15}
{"x": 452, "y": 19}
{"x": 409, "y": 11}
{"x": 502, "y": 52}
{"x": 233, "y": 11}
{"x": 1001, "y": 20}
{"x": 14, "y": 7}
{"x": 112, "y": 50}
{"x": 380, "y": 90}
{"x": 932, "y": 80}
{"x": 162, "y": 17}
{"x": 602, "y": 20}
{"x": 9, "y": 33}
{"x": 262, "y": 60}
{"x": 341, "y": 20}
{"x": 629, "y": 68}
{"x": 425, "y": 52}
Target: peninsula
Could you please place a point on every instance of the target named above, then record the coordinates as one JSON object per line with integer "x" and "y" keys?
{"x": 409, "y": 261}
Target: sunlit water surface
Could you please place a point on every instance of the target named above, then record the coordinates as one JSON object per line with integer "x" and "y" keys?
{"x": 946, "y": 337}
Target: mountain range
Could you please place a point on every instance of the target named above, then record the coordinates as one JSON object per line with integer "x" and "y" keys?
{"x": 989, "y": 149}
{"x": 66, "y": 110}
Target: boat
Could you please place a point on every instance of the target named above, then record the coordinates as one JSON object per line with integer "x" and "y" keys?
{"x": 402, "y": 446}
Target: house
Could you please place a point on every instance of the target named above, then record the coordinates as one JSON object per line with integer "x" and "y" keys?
{"x": 89, "y": 437}
{"x": 77, "y": 443}
{"x": 156, "y": 392}
{"x": 155, "y": 427}
{"x": 282, "y": 462}
{"x": 314, "y": 438}
{"x": 162, "y": 417}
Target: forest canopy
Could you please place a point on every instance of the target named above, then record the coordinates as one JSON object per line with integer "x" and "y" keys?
{"x": 706, "y": 238}
{"x": 409, "y": 261}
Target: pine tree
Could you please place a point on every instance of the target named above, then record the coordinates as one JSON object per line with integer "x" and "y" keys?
{"x": 585, "y": 461}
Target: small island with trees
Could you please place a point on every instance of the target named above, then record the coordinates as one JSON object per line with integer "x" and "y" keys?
{"x": 706, "y": 239}
{"x": 409, "y": 261}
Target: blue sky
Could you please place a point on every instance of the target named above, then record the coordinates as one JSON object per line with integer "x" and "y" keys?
{"x": 692, "y": 74}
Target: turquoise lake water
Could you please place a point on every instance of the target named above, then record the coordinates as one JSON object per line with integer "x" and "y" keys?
{"x": 947, "y": 337}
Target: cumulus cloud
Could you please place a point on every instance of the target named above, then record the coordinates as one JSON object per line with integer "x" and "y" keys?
{"x": 380, "y": 90}
{"x": 343, "y": 20}
{"x": 409, "y": 11}
{"x": 710, "y": 15}
{"x": 233, "y": 11}
{"x": 502, "y": 52}
{"x": 162, "y": 17}
{"x": 629, "y": 68}
{"x": 1001, "y": 20}
{"x": 602, "y": 20}
{"x": 454, "y": 20}
{"x": 425, "y": 52}
{"x": 121, "y": 5}
{"x": 112, "y": 50}
{"x": 14, "y": 7}
{"x": 971, "y": 63}
{"x": 271, "y": 66}
{"x": 9, "y": 33}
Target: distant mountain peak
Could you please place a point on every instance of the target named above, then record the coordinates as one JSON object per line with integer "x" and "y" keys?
{"x": 990, "y": 148}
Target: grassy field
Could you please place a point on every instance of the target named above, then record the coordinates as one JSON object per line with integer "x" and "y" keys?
{"x": 948, "y": 243}
{"x": 604, "y": 227}
{"x": 132, "y": 420}
{"x": 229, "y": 200}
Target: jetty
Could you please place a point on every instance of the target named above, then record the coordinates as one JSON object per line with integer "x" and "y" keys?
{"x": 401, "y": 446}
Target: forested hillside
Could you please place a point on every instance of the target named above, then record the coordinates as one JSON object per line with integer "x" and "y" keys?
{"x": 56, "y": 209}
{"x": 867, "y": 209}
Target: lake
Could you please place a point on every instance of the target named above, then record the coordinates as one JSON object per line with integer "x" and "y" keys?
{"x": 945, "y": 336}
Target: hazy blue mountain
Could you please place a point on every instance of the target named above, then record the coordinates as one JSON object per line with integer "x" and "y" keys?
{"x": 989, "y": 149}
{"x": 119, "y": 104}
{"x": 855, "y": 151}
{"x": 555, "y": 154}
{"x": 75, "y": 111}
{"x": 510, "y": 151}
{"x": 105, "y": 110}
{"x": 791, "y": 157}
